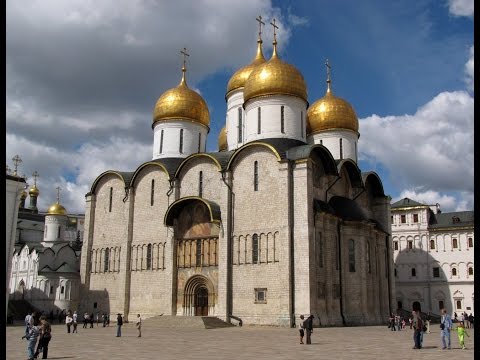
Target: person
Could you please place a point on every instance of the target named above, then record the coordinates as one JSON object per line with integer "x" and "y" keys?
{"x": 68, "y": 321}
{"x": 461, "y": 332}
{"x": 417, "y": 326}
{"x": 410, "y": 321}
{"x": 308, "y": 326}
{"x": 301, "y": 329}
{"x": 392, "y": 322}
{"x": 455, "y": 317}
{"x": 96, "y": 318}
{"x": 85, "y": 320}
{"x": 27, "y": 320}
{"x": 104, "y": 319}
{"x": 428, "y": 320}
{"x": 92, "y": 320}
{"x": 139, "y": 325}
{"x": 119, "y": 324}
{"x": 108, "y": 319}
{"x": 33, "y": 333}
{"x": 45, "y": 337}
{"x": 74, "y": 318}
{"x": 445, "y": 326}
{"x": 470, "y": 320}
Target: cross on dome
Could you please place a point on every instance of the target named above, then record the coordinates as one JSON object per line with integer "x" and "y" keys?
{"x": 328, "y": 75}
{"x": 260, "y": 23}
{"x": 16, "y": 160}
{"x": 58, "y": 194}
{"x": 35, "y": 175}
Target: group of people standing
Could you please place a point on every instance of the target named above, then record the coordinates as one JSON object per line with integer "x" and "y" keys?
{"x": 305, "y": 326}
{"x": 37, "y": 328}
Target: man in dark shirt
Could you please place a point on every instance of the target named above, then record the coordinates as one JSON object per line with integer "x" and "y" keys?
{"x": 308, "y": 325}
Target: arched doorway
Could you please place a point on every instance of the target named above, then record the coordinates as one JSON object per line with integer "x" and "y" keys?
{"x": 201, "y": 301}
{"x": 416, "y": 306}
{"x": 21, "y": 290}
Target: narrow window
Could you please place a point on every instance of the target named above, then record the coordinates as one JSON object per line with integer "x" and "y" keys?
{"x": 260, "y": 296}
{"x": 414, "y": 272}
{"x": 319, "y": 249}
{"x": 301, "y": 123}
{"x": 454, "y": 272}
{"x": 341, "y": 148}
{"x": 415, "y": 218}
{"x": 321, "y": 142}
{"x": 436, "y": 272}
{"x": 395, "y": 245}
{"x": 459, "y": 304}
{"x": 337, "y": 254}
{"x": 161, "y": 141}
{"x": 149, "y": 257}
{"x": 470, "y": 271}
{"x": 200, "y": 183}
{"x": 432, "y": 244}
{"x": 255, "y": 176}
{"x": 403, "y": 219}
{"x": 62, "y": 290}
{"x": 391, "y": 220}
{"x": 181, "y": 142}
{"x": 369, "y": 265}
{"x": 282, "y": 119}
{"x": 351, "y": 255}
{"x": 259, "y": 124}
{"x": 454, "y": 243}
{"x": 46, "y": 231}
{"x": 51, "y": 290}
{"x": 470, "y": 242}
{"x": 240, "y": 125}
{"x": 199, "y": 141}
{"x": 356, "y": 150}
{"x": 395, "y": 272}
{"x": 440, "y": 305}
{"x": 152, "y": 192}
{"x": 254, "y": 249}
{"x": 58, "y": 233}
{"x": 111, "y": 198}
{"x": 198, "y": 253}
{"x": 107, "y": 259}
{"x": 410, "y": 244}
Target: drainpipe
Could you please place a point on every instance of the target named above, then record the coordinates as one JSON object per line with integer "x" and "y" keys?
{"x": 340, "y": 271}
{"x": 292, "y": 243}
{"x": 229, "y": 252}
{"x": 387, "y": 249}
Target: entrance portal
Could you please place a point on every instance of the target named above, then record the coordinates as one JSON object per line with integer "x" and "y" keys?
{"x": 201, "y": 301}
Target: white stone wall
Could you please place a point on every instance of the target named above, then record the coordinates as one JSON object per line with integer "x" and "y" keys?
{"x": 52, "y": 224}
{"x": 331, "y": 140}
{"x": 234, "y": 103}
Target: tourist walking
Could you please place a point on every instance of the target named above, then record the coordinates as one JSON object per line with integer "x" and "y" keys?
{"x": 85, "y": 320}
{"x": 44, "y": 339}
{"x": 461, "y": 332}
{"x": 27, "y": 320}
{"x": 68, "y": 322}
{"x": 301, "y": 329}
{"x": 418, "y": 328}
{"x": 308, "y": 326}
{"x": 75, "y": 323}
{"x": 139, "y": 325}
{"x": 32, "y": 337}
{"x": 445, "y": 326}
{"x": 428, "y": 320}
{"x": 92, "y": 320}
{"x": 119, "y": 324}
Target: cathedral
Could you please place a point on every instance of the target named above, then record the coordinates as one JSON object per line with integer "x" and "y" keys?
{"x": 279, "y": 222}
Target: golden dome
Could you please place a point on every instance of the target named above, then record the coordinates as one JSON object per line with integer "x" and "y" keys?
{"x": 275, "y": 77}
{"x": 33, "y": 191}
{"x": 181, "y": 103}
{"x": 24, "y": 195}
{"x": 240, "y": 77}
{"x": 56, "y": 209}
{"x": 331, "y": 112}
{"x": 222, "y": 140}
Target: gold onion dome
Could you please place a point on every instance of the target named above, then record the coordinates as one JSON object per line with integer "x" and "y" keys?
{"x": 24, "y": 195}
{"x": 33, "y": 191}
{"x": 275, "y": 77}
{"x": 239, "y": 78}
{"x": 331, "y": 112}
{"x": 181, "y": 103}
{"x": 56, "y": 209}
{"x": 222, "y": 140}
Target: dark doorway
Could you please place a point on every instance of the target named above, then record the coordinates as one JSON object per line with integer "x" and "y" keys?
{"x": 416, "y": 306}
{"x": 201, "y": 302}
{"x": 399, "y": 305}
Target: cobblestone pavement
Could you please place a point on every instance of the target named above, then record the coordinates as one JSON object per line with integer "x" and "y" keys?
{"x": 372, "y": 342}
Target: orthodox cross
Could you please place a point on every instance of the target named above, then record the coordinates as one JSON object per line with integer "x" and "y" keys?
{"x": 35, "y": 175}
{"x": 274, "y": 32}
{"x": 328, "y": 70}
{"x": 185, "y": 54}
{"x": 260, "y": 23}
{"x": 16, "y": 160}
{"x": 58, "y": 194}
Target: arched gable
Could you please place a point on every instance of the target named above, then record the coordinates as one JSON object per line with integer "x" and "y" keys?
{"x": 144, "y": 166}
{"x": 176, "y": 207}
{"x": 373, "y": 184}
{"x": 195, "y": 156}
{"x": 354, "y": 173}
{"x": 124, "y": 176}
{"x": 254, "y": 143}
{"x": 306, "y": 151}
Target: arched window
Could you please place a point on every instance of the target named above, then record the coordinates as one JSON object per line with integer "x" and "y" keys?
{"x": 259, "y": 123}
{"x": 282, "y": 119}
{"x": 301, "y": 124}
{"x": 255, "y": 249}
{"x": 414, "y": 272}
{"x": 341, "y": 148}
{"x": 149, "y": 257}
{"x": 161, "y": 141}
{"x": 432, "y": 244}
{"x": 454, "y": 272}
{"x": 470, "y": 271}
{"x": 107, "y": 260}
{"x": 454, "y": 243}
{"x": 255, "y": 176}
{"x": 152, "y": 192}
{"x": 111, "y": 198}
{"x": 199, "y": 253}
{"x": 58, "y": 233}
{"x": 200, "y": 183}
{"x": 180, "y": 150}
{"x": 240, "y": 125}
{"x": 351, "y": 255}
{"x": 319, "y": 249}
{"x": 459, "y": 304}
{"x": 199, "y": 141}
{"x": 470, "y": 242}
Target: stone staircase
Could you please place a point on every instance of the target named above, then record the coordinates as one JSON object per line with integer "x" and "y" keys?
{"x": 198, "y": 322}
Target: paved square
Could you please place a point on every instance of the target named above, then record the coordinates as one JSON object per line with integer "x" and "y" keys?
{"x": 260, "y": 343}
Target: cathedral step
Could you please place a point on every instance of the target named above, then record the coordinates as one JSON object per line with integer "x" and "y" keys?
{"x": 205, "y": 322}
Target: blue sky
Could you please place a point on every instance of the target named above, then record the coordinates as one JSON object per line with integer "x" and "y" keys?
{"x": 83, "y": 78}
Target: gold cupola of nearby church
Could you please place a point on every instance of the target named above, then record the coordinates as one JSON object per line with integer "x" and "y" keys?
{"x": 181, "y": 103}
{"x": 239, "y": 78}
{"x": 275, "y": 77}
{"x": 57, "y": 209}
{"x": 222, "y": 140}
{"x": 330, "y": 112}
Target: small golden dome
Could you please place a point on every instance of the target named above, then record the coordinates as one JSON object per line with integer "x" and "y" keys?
{"x": 331, "y": 112}
{"x": 181, "y": 103}
{"x": 33, "y": 191}
{"x": 222, "y": 140}
{"x": 56, "y": 209}
{"x": 240, "y": 77}
{"x": 275, "y": 77}
{"x": 24, "y": 195}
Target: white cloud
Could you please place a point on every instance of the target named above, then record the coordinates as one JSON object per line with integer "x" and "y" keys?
{"x": 469, "y": 70}
{"x": 461, "y": 7}
{"x": 448, "y": 203}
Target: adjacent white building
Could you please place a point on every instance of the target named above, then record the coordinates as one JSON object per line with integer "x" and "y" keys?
{"x": 434, "y": 257}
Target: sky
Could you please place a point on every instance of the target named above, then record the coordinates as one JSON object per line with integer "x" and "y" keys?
{"x": 83, "y": 76}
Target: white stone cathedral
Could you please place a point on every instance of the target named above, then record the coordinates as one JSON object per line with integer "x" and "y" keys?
{"x": 279, "y": 222}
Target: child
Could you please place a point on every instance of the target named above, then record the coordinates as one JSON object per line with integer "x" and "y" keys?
{"x": 461, "y": 334}
{"x": 300, "y": 328}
